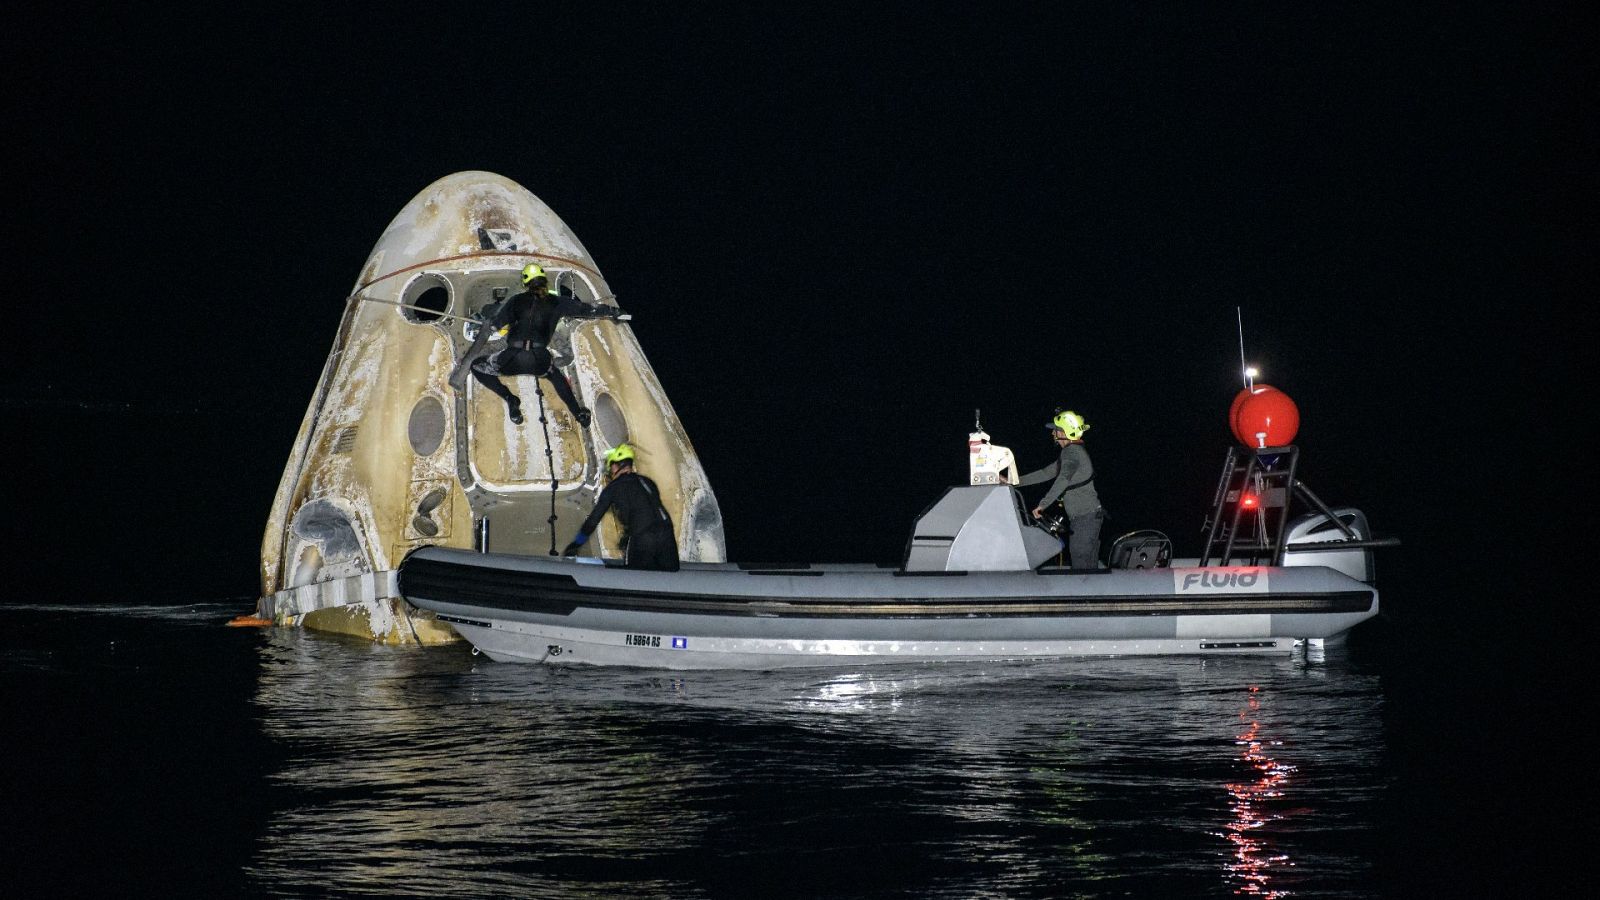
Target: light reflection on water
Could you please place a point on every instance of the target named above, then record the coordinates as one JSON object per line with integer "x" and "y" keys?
{"x": 433, "y": 771}
{"x": 1254, "y": 860}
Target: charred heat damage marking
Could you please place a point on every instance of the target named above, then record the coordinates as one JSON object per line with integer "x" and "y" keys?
{"x": 497, "y": 239}
{"x": 642, "y": 640}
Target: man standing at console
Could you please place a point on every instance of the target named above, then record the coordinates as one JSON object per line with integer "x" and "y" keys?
{"x": 1072, "y": 482}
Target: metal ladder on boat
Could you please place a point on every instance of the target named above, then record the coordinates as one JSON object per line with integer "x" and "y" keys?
{"x": 1250, "y": 511}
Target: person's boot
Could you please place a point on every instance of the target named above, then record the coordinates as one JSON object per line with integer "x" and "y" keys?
{"x": 583, "y": 416}
{"x": 514, "y": 407}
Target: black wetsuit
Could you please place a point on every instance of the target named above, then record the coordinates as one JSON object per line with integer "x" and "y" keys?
{"x": 532, "y": 317}
{"x": 647, "y": 535}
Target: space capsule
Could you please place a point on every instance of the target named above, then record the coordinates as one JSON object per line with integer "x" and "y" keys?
{"x": 390, "y": 457}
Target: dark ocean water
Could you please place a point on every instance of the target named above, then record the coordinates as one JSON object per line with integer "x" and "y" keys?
{"x": 152, "y": 746}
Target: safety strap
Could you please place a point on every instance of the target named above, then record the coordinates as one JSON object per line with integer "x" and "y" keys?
{"x": 664, "y": 518}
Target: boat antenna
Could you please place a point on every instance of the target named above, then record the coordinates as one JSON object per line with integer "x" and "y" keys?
{"x": 977, "y": 420}
{"x": 1244, "y": 368}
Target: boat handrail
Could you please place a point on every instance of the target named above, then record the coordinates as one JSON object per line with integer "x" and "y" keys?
{"x": 1322, "y": 546}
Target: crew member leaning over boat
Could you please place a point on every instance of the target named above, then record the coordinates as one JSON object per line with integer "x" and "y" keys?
{"x": 647, "y": 538}
{"x": 1073, "y": 485}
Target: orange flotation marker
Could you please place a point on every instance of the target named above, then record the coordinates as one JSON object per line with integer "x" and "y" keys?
{"x": 248, "y": 620}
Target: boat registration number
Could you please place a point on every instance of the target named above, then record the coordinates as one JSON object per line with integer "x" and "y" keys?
{"x": 642, "y": 640}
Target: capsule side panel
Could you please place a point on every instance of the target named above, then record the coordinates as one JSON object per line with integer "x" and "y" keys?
{"x": 611, "y": 363}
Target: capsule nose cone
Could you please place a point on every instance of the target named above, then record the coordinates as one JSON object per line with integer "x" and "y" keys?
{"x": 474, "y": 214}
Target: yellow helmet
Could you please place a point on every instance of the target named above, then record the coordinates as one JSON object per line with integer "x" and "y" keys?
{"x": 621, "y": 453}
{"x": 533, "y": 272}
{"x": 1069, "y": 422}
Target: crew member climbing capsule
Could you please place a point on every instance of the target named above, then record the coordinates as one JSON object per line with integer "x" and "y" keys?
{"x": 647, "y": 534}
{"x": 1073, "y": 484}
{"x": 529, "y": 320}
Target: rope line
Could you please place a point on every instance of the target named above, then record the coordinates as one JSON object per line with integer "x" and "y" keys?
{"x": 549, "y": 460}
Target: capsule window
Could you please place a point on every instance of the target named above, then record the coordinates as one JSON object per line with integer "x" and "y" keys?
{"x": 427, "y": 299}
{"x": 608, "y": 418}
{"x": 425, "y": 428}
{"x": 570, "y": 283}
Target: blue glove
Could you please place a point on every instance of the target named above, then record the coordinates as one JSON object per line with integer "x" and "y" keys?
{"x": 572, "y": 548}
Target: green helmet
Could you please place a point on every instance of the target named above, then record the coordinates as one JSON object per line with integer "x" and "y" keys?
{"x": 533, "y": 272}
{"x": 1069, "y": 422}
{"x": 621, "y": 453}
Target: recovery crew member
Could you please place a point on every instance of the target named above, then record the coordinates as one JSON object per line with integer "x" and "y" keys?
{"x": 530, "y": 318}
{"x": 647, "y": 535}
{"x": 1072, "y": 482}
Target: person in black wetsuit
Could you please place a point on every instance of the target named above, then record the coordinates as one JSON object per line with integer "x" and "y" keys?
{"x": 647, "y": 534}
{"x": 530, "y": 318}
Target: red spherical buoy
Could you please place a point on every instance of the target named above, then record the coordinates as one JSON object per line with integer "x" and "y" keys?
{"x": 1238, "y": 401}
{"x": 1265, "y": 417}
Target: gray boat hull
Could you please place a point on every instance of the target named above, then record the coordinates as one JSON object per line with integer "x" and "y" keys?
{"x": 563, "y": 611}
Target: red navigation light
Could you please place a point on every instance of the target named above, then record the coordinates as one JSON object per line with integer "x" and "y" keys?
{"x": 1249, "y": 501}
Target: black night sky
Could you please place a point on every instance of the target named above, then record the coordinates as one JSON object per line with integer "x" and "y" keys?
{"x": 840, "y": 230}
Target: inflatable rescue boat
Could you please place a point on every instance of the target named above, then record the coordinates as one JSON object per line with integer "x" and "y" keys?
{"x": 980, "y": 580}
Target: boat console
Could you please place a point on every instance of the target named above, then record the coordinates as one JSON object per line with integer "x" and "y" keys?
{"x": 978, "y": 528}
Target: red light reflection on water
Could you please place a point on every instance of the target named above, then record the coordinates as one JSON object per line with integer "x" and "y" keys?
{"x": 1254, "y": 861}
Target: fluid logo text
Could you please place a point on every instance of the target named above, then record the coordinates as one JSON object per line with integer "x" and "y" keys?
{"x": 1220, "y": 580}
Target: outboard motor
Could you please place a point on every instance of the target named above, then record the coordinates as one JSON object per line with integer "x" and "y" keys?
{"x": 1319, "y": 528}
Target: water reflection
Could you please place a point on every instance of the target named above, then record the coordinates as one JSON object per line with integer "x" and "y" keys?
{"x": 1253, "y": 858}
{"x": 452, "y": 775}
